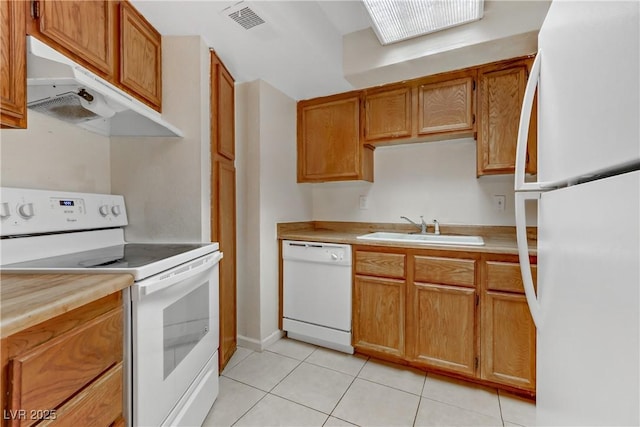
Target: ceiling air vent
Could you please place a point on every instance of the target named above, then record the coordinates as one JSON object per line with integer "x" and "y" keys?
{"x": 246, "y": 17}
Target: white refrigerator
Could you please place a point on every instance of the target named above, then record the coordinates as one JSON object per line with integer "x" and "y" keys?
{"x": 587, "y": 305}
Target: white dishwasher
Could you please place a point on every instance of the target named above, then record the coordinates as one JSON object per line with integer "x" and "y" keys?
{"x": 317, "y": 293}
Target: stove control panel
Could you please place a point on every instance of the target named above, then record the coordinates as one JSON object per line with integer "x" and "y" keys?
{"x": 27, "y": 211}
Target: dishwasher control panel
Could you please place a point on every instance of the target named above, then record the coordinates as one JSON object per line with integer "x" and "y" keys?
{"x": 331, "y": 253}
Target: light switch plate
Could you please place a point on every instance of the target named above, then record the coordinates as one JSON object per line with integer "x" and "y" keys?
{"x": 499, "y": 201}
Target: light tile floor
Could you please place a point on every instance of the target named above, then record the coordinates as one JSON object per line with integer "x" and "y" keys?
{"x": 293, "y": 383}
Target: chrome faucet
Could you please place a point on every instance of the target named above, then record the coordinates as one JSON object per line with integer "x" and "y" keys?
{"x": 422, "y": 226}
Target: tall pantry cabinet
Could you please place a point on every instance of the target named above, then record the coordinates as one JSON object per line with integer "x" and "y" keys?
{"x": 223, "y": 199}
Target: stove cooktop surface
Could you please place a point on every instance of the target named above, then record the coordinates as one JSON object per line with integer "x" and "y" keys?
{"x": 140, "y": 259}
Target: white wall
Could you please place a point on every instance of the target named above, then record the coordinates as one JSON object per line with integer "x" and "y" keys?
{"x": 166, "y": 181}
{"x": 266, "y": 139}
{"x": 434, "y": 179}
{"x": 53, "y": 155}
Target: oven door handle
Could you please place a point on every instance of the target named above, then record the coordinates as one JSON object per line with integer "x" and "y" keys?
{"x": 175, "y": 275}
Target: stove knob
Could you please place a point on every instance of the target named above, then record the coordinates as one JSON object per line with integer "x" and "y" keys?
{"x": 104, "y": 210}
{"x": 115, "y": 210}
{"x": 26, "y": 210}
{"x": 4, "y": 210}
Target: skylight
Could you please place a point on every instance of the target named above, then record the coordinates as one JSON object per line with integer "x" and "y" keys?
{"x": 396, "y": 20}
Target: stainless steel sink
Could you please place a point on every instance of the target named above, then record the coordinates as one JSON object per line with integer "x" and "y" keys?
{"x": 435, "y": 239}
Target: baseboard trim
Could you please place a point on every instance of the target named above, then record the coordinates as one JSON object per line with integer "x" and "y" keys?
{"x": 257, "y": 345}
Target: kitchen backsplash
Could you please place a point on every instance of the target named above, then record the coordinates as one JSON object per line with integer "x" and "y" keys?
{"x": 435, "y": 179}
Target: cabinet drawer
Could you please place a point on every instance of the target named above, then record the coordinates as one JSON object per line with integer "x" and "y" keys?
{"x": 99, "y": 404}
{"x": 505, "y": 276}
{"x": 49, "y": 374}
{"x": 445, "y": 271}
{"x": 380, "y": 264}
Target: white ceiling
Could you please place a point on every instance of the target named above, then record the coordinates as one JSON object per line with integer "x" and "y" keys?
{"x": 299, "y": 48}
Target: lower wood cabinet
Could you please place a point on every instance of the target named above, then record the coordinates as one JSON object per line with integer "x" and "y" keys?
{"x": 508, "y": 332}
{"x": 443, "y": 325}
{"x": 379, "y": 303}
{"x": 66, "y": 370}
{"x": 455, "y": 312}
{"x": 442, "y": 299}
{"x": 379, "y": 315}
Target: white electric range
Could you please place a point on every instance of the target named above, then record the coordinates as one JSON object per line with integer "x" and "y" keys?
{"x": 171, "y": 331}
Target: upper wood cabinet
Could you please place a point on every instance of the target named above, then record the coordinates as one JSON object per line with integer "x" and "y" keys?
{"x": 508, "y": 343}
{"x": 446, "y": 106}
{"x": 222, "y": 109}
{"x": 85, "y": 31}
{"x": 329, "y": 146}
{"x": 140, "y": 56}
{"x": 388, "y": 113}
{"x": 500, "y": 95}
{"x": 110, "y": 38}
{"x": 425, "y": 109}
{"x": 13, "y": 65}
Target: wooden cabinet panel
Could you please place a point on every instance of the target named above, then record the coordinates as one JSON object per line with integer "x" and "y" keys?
{"x": 223, "y": 200}
{"x": 378, "y": 319}
{"x": 508, "y": 340}
{"x": 446, "y": 106}
{"x": 13, "y": 65}
{"x": 444, "y": 327}
{"x": 387, "y": 113}
{"x": 380, "y": 264}
{"x": 445, "y": 271}
{"x": 222, "y": 108}
{"x": 224, "y": 232}
{"x": 82, "y": 30}
{"x": 140, "y": 56}
{"x": 100, "y": 404}
{"x": 506, "y": 276}
{"x": 65, "y": 353}
{"x": 329, "y": 147}
{"x": 500, "y": 98}
{"x": 45, "y": 376}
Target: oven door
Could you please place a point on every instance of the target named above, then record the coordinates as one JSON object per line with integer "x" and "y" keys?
{"x": 175, "y": 333}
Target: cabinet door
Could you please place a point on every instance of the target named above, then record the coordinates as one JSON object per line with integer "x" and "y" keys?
{"x": 13, "y": 65}
{"x": 378, "y": 322}
{"x": 443, "y": 327}
{"x": 445, "y": 106}
{"x": 500, "y": 101}
{"x": 329, "y": 147}
{"x": 222, "y": 109}
{"x": 140, "y": 56}
{"x": 83, "y": 30}
{"x": 508, "y": 340}
{"x": 223, "y": 231}
{"x": 387, "y": 114}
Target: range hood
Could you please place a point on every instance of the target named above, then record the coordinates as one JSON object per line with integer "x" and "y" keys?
{"x": 60, "y": 88}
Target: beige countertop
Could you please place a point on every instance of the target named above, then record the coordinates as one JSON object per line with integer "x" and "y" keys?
{"x": 498, "y": 239}
{"x": 28, "y": 299}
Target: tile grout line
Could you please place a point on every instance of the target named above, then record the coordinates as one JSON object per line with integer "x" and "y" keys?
{"x": 424, "y": 382}
{"x": 500, "y": 406}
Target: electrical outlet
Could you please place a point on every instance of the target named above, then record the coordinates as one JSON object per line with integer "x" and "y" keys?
{"x": 499, "y": 201}
{"x": 364, "y": 202}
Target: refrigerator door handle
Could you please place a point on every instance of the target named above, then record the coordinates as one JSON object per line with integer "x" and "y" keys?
{"x": 523, "y": 128}
{"x": 523, "y": 254}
